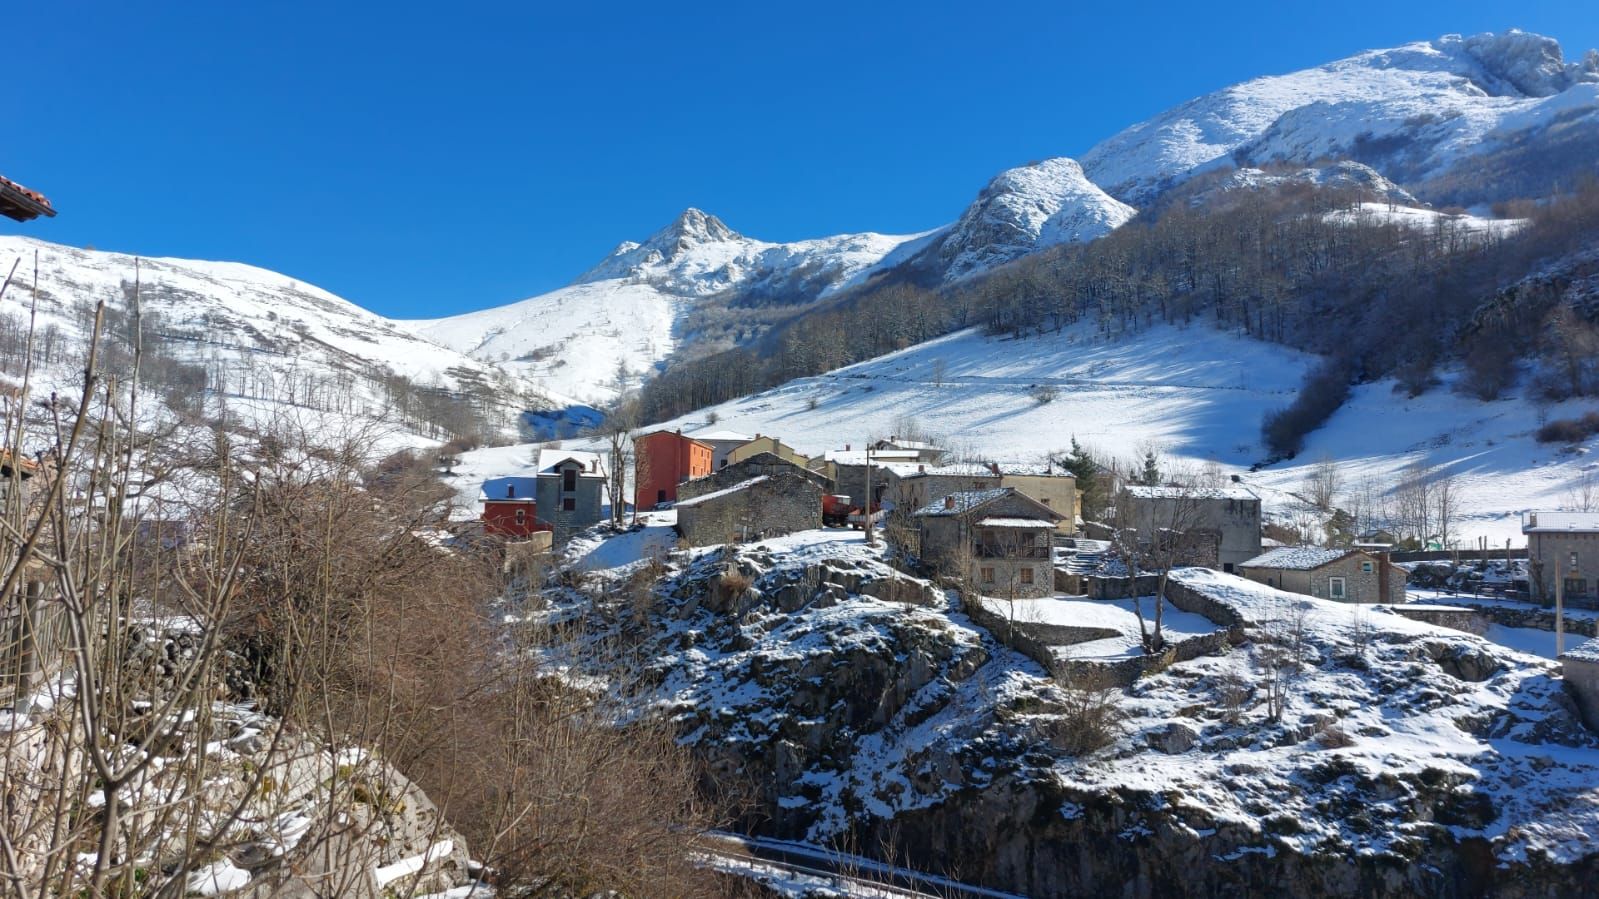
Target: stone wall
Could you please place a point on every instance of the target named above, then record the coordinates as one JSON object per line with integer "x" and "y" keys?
{"x": 753, "y": 467}
{"x": 1467, "y": 620}
{"x": 782, "y": 504}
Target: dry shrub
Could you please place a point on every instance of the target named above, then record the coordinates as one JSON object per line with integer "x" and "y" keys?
{"x": 1333, "y": 736}
{"x": 1091, "y": 715}
{"x": 735, "y": 581}
{"x": 1569, "y": 430}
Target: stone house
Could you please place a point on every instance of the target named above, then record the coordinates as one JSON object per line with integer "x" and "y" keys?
{"x": 930, "y": 483}
{"x": 999, "y": 541}
{"x": 1227, "y": 516}
{"x": 763, "y": 444}
{"x": 1345, "y": 575}
{"x": 919, "y": 450}
{"x": 847, "y": 470}
{"x": 722, "y": 444}
{"x": 767, "y": 505}
{"x": 1579, "y": 668}
{"x": 1049, "y": 484}
{"x": 1563, "y": 545}
{"x": 571, "y": 491}
{"x": 752, "y": 467}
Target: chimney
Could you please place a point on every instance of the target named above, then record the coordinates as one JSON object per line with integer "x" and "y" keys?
{"x": 921, "y": 468}
{"x": 510, "y": 491}
{"x": 994, "y": 467}
{"x": 949, "y": 501}
{"x": 846, "y": 447}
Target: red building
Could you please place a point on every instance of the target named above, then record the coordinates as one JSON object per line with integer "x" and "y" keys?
{"x": 665, "y": 459}
{"x": 509, "y": 508}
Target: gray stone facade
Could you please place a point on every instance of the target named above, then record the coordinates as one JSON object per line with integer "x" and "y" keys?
{"x": 1343, "y": 575}
{"x": 1563, "y": 545}
{"x": 761, "y": 507}
{"x": 998, "y": 541}
{"x": 1231, "y": 513}
{"x": 571, "y": 496}
{"x": 753, "y": 467}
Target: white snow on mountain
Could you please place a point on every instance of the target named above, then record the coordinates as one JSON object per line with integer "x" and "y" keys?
{"x": 1417, "y": 108}
{"x": 265, "y": 340}
{"x": 1197, "y": 392}
{"x": 1025, "y": 209}
{"x": 628, "y": 309}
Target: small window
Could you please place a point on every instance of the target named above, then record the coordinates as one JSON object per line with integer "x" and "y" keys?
{"x": 988, "y": 575}
{"x": 1365, "y": 568}
{"x": 569, "y": 504}
{"x": 1335, "y": 588}
{"x": 569, "y": 480}
{"x": 1027, "y": 575}
{"x": 521, "y": 516}
{"x": 660, "y": 496}
{"x": 1572, "y": 565}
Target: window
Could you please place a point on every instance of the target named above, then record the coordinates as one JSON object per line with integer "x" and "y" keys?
{"x": 569, "y": 504}
{"x": 1335, "y": 588}
{"x": 1572, "y": 565}
{"x": 1365, "y": 568}
{"x": 1228, "y": 567}
{"x": 987, "y": 575}
{"x": 521, "y": 516}
{"x": 569, "y": 480}
{"x": 1027, "y": 575}
{"x": 660, "y": 496}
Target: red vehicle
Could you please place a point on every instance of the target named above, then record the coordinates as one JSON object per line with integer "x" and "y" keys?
{"x": 837, "y": 512}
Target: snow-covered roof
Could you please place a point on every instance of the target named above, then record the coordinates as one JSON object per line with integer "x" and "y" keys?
{"x": 722, "y": 437}
{"x": 1296, "y": 558}
{"x": 511, "y": 489}
{"x": 1033, "y": 469}
{"x": 955, "y": 469}
{"x": 1016, "y": 523}
{"x": 878, "y": 457}
{"x": 1163, "y": 492}
{"x": 1586, "y": 651}
{"x": 593, "y": 463}
{"x": 961, "y": 500}
{"x": 899, "y": 444}
{"x": 718, "y": 494}
{"x": 1547, "y": 522}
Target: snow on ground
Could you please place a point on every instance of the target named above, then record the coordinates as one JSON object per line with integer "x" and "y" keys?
{"x": 1426, "y": 219}
{"x": 1113, "y": 614}
{"x": 1198, "y": 392}
{"x": 571, "y": 339}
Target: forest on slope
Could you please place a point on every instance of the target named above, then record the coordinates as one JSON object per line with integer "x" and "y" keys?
{"x": 1315, "y": 268}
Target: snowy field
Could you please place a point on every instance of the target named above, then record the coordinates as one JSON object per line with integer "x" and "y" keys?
{"x": 1199, "y": 393}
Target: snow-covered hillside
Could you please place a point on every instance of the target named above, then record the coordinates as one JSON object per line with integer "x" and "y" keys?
{"x": 1412, "y": 112}
{"x": 266, "y": 341}
{"x": 1199, "y": 393}
{"x": 1025, "y": 209}
{"x": 628, "y": 310}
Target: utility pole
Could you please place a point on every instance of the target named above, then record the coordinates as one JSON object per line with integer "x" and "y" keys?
{"x": 866, "y": 509}
{"x": 1560, "y": 616}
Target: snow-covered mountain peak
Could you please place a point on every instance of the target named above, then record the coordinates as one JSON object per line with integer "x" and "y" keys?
{"x": 1419, "y": 114}
{"x": 1025, "y": 209}
{"x": 1525, "y": 64}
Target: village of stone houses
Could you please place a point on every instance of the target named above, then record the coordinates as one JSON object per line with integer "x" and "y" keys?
{"x": 1213, "y": 514}
{"x": 832, "y": 619}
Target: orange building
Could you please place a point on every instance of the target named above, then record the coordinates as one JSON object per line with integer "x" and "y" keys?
{"x": 664, "y": 460}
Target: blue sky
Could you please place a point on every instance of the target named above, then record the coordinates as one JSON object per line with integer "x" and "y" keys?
{"x": 423, "y": 159}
